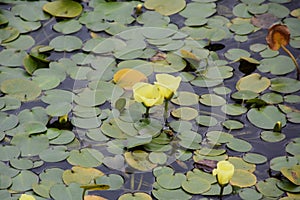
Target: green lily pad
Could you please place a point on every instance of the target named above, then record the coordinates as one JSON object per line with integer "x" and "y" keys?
{"x": 7, "y": 121}
{"x": 293, "y": 147}
{"x": 139, "y": 160}
{"x": 239, "y": 145}
{"x": 6, "y": 181}
{"x": 185, "y": 113}
{"x": 253, "y": 82}
{"x": 285, "y": 85}
{"x": 232, "y": 124}
{"x": 266, "y": 117}
{"x": 206, "y": 120}
{"x": 244, "y": 95}
{"x": 282, "y": 161}
{"x": 243, "y": 178}
{"x": 184, "y": 98}
{"x": 279, "y": 65}
{"x": 11, "y": 57}
{"x": 215, "y": 190}
{"x": 199, "y": 10}
{"x": 169, "y": 181}
{"x": 67, "y": 27}
{"x": 233, "y": 109}
{"x": 116, "y": 162}
{"x": 81, "y": 175}
{"x": 288, "y": 186}
{"x": 272, "y": 98}
{"x": 254, "y": 158}
{"x": 86, "y": 157}
{"x": 21, "y": 163}
{"x": 212, "y": 100}
{"x": 249, "y": 193}
{"x": 196, "y": 185}
{"x": 59, "y": 109}
{"x": 24, "y": 180}
{"x": 30, "y": 145}
{"x": 235, "y": 54}
{"x": 66, "y": 43}
{"x": 21, "y": 89}
{"x": 168, "y": 7}
{"x": 9, "y": 152}
{"x": 158, "y": 158}
{"x": 268, "y": 188}
{"x": 65, "y": 8}
{"x": 61, "y": 191}
{"x": 162, "y": 193}
{"x": 219, "y": 137}
{"x": 54, "y": 154}
{"x": 135, "y": 196}
{"x": 292, "y": 98}
{"x": 270, "y": 136}
{"x": 23, "y": 42}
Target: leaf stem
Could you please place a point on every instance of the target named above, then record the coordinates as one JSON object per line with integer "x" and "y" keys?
{"x": 166, "y": 111}
{"x": 293, "y": 58}
{"x": 221, "y": 191}
{"x": 147, "y": 112}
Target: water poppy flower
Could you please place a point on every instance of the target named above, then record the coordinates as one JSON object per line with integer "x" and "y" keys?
{"x": 167, "y": 84}
{"x": 224, "y": 172}
{"x": 147, "y": 94}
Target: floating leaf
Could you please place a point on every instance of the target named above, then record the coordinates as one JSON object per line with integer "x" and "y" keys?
{"x": 233, "y": 124}
{"x": 184, "y": 98}
{"x": 86, "y": 157}
{"x": 270, "y": 136}
{"x": 23, "y": 181}
{"x": 285, "y": 85}
{"x": 266, "y": 117}
{"x": 254, "y": 158}
{"x": 212, "y": 100}
{"x": 66, "y": 43}
{"x": 185, "y": 113}
{"x": 167, "y": 7}
{"x": 162, "y": 193}
{"x": 81, "y": 175}
{"x": 63, "y": 192}
{"x": 243, "y": 178}
{"x": 196, "y": 185}
{"x": 21, "y": 89}
{"x": 279, "y": 65}
{"x": 292, "y": 173}
{"x": 253, "y": 82}
{"x": 268, "y": 188}
{"x": 283, "y": 161}
{"x": 139, "y": 160}
{"x": 135, "y": 196}
{"x": 126, "y": 78}
{"x": 239, "y": 145}
{"x": 65, "y": 8}
{"x": 249, "y": 193}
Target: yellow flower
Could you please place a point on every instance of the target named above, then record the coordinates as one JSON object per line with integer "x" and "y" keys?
{"x": 147, "y": 94}
{"x": 167, "y": 84}
{"x": 224, "y": 172}
{"x": 26, "y": 197}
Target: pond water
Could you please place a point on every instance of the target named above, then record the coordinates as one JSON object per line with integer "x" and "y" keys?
{"x": 63, "y": 124}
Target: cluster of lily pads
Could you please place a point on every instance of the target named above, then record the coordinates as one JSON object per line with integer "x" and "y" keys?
{"x": 75, "y": 117}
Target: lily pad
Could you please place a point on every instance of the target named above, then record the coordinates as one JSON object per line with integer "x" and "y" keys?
{"x": 253, "y": 82}
{"x": 86, "y": 157}
{"x": 66, "y": 43}
{"x": 81, "y": 175}
{"x": 268, "y": 188}
{"x": 193, "y": 186}
{"x": 292, "y": 173}
{"x": 270, "y": 136}
{"x": 283, "y": 161}
{"x": 65, "y": 8}
{"x": 284, "y": 85}
{"x": 243, "y": 178}
{"x": 255, "y": 158}
{"x": 135, "y": 196}
{"x": 139, "y": 160}
{"x": 275, "y": 65}
{"x": 185, "y": 113}
{"x": 21, "y": 89}
{"x": 212, "y": 100}
{"x": 266, "y": 117}
{"x": 168, "y": 7}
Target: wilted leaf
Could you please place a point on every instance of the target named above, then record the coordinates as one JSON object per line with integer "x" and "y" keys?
{"x": 278, "y": 35}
